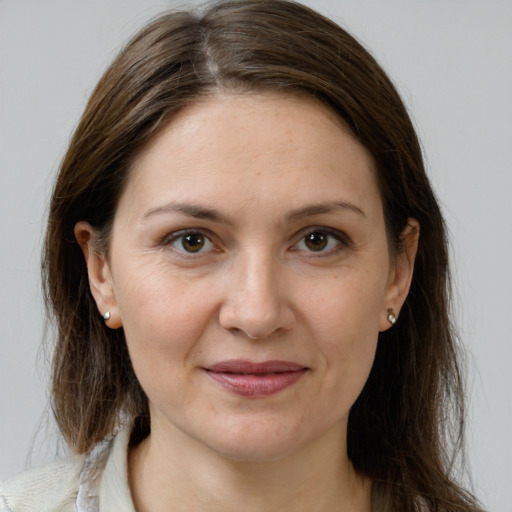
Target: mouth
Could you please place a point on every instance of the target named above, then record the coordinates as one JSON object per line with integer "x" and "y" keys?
{"x": 256, "y": 380}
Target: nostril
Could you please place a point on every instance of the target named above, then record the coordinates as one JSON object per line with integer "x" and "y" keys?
{"x": 248, "y": 333}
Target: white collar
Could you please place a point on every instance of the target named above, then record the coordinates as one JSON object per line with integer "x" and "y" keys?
{"x": 103, "y": 484}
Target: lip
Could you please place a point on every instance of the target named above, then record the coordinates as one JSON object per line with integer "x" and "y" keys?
{"x": 249, "y": 379}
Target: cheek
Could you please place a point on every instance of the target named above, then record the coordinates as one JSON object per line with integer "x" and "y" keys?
{"x": 348, "y": 306}
{"x": 345, "y": 323}
{"x": 162, "y": 319}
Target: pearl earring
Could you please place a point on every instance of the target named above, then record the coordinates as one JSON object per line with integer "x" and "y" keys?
{"x": 391, "y": 316}
{"x": 106, "y": 316}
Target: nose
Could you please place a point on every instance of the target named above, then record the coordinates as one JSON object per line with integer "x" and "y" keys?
{"x": 256, "y": 303}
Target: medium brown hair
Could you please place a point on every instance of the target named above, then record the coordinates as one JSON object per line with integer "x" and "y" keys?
{"x": 407, "y": 425}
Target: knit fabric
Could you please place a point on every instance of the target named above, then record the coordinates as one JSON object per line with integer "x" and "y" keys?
{"x": 56, "y": 486}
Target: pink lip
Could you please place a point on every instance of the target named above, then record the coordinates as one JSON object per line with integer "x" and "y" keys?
{"x": 250, "y": 379}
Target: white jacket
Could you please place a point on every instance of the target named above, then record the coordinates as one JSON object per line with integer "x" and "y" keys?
{"x": 98, "y": 483}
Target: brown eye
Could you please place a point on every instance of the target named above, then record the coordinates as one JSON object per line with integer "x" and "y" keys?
{"x": 317, "y": 241}
{"x": 193, "y": 242}
{"x": 190, "y": 242}
{"x": 322, "y": 241}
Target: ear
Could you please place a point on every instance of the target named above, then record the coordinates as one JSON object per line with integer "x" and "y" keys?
{"x": 401, "y": 274}
{"x": 98, "y": 270}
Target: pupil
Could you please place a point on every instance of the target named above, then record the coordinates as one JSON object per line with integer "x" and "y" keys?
{"x": 193, "y": 243}
{"x": 316, "y": 241}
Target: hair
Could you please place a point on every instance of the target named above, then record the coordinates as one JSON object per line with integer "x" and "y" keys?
{"x": 406, "y": 428}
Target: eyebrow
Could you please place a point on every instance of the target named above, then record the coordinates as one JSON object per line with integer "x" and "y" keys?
{"x": 321, "y": 208}
{"x": 190, "y": 210}
{"x": 202, "y": 212}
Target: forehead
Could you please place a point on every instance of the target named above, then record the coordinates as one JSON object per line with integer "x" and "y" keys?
{"x": 253, "y": 149}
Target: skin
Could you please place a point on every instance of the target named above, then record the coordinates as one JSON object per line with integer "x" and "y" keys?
{"x": 256, "y": 291}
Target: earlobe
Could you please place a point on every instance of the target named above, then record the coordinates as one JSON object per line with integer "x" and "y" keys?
{"x": 401, "y": 275}
{"x": 100, "y": 278}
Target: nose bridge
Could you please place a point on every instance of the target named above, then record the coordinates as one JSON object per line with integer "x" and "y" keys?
{"x": 255, "y": 303}
{"x": 260, "y": 288}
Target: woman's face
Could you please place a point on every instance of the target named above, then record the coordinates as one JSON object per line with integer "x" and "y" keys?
{"x": 249, "y": 269}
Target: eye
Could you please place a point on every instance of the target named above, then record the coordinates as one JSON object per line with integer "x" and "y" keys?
{"x": 192, "y": 242}
{"x": 319, "y": 241}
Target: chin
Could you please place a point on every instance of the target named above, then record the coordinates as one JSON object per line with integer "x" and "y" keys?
{"x": 257, "y": 442}
{"x": 254, "y": 452}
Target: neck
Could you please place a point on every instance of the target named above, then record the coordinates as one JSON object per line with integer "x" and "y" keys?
{"x": 316, "y": 478}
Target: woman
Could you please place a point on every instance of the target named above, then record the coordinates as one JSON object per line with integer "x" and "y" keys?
{"x": 248, "y": 271}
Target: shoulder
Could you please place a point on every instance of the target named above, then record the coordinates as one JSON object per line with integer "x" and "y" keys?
{"x": 50, "y": 488}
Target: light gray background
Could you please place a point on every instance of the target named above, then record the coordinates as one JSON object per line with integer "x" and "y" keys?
{"x": 452, "y": 62}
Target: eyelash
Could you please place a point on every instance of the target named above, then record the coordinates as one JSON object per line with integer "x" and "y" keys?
{"x": 174, "y": 238}
{"x": 340, "y": 238}
{"x": 342, "y": 241}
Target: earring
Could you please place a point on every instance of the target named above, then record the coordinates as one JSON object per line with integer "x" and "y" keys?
{"x": 391, "y": 316}
{"x": 106, "y": 316}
